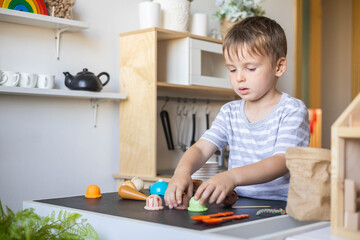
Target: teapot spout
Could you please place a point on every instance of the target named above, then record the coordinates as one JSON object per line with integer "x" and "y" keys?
{"x": 68, "y": 79}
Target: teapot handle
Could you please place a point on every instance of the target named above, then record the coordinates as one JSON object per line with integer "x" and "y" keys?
{"x": 106, "y": 74}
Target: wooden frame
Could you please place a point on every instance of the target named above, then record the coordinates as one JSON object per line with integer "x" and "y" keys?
{"x": 315, "y": 53}
{"x": 298, "y": 49}
{"x": 315, "y": 117}
{"x": 345, "y": 164}
{"x": 355, "y": 66}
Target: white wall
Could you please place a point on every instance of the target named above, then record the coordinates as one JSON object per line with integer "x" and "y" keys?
{"x": 48, "y": 146}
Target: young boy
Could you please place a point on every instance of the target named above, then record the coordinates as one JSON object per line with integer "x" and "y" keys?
{"x": 258, "y": 128}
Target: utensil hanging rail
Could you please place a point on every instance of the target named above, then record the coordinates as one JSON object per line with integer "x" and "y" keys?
{"x": 193, "y": 100}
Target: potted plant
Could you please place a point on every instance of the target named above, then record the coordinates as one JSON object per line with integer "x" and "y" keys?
{"x": 231, "y": 11}
{"x": 26, "y": 224}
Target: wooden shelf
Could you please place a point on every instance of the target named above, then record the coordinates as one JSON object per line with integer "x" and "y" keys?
{"x": 61, "y": 93}
{"x": 60, "y": 25}
{"x": 349, "y": 132}
{"x": 165, "y": 34}
{"x": 198, "y": 90}
{"x": 39, "y": 20}
{"x": 144, "y": 178}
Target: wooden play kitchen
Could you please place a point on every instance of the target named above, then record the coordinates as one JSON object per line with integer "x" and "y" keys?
{"x": 156, "y": 60}
{"x": 345, "y": 177}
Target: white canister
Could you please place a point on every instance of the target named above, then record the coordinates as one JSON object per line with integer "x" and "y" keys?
{"x": 199, "y": 24}
{"x": 9, "y": 78}
{"x": 149, "y": 15}
{"x": 175, "y": 14}
{"x": 45, "y": 81}
{"x": 28, "y": 80}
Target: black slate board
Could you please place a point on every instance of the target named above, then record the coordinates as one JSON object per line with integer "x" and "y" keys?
{"x": 112, "y": 204}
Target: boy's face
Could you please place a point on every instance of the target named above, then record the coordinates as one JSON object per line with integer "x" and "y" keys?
{"x": 253, "y": 76}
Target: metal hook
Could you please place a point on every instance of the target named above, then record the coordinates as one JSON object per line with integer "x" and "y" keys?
{"x": 166, "y": 101}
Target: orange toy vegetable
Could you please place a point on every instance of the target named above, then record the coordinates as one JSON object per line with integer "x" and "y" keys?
{"x": 219, "y": 220}
{"x": 200, "y": 218}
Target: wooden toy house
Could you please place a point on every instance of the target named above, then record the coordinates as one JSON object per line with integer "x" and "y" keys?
{"x": 345, "y": 176}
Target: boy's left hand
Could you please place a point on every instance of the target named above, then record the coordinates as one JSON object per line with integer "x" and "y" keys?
{"x": 216, "y": 188}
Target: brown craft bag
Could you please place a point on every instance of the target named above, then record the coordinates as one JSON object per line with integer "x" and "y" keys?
{"x": 309, "y": 189}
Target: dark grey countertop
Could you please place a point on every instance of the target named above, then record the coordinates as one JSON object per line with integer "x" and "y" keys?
{"x": 112, "y": 204}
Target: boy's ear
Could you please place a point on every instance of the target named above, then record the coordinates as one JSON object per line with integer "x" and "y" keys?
{"x": 280, "y": 67}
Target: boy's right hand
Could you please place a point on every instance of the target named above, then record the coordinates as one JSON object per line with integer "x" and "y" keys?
{"x": 177, "y": 186}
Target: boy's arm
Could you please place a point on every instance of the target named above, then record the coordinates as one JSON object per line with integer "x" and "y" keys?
{"x": 194, "y": 158}
{"x": 217, "y": 187}
{"x": 263, "y": 171}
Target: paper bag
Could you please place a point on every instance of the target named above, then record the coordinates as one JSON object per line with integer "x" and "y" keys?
{"x": 309, "y": 189}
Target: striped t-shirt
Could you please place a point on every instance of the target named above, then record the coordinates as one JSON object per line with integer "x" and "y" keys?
{"x": 286, "y": 126}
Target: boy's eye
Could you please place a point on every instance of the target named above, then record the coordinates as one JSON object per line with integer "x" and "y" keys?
{"x": 251, "y": 69}
{"x": 232, "y": 70}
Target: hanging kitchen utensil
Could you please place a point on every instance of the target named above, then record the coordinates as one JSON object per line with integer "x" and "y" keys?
{"x": 165, "y": 120}
{"x": 207, "y": 114}
{"x": 183, "y": 120}
{"x": 194, "y": 125}
{"x": 178, "y": 121}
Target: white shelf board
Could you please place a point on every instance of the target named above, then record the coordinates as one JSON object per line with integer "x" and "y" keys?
{"x": 39, "y": 20}
{"x": 61, "y": 93}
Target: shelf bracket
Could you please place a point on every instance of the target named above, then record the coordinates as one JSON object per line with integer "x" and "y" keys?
{"x": 95, "y": 106}
{"x": 57, "y": 39}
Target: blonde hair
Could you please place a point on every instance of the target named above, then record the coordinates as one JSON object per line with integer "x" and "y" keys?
{"x": 257, "y": 35}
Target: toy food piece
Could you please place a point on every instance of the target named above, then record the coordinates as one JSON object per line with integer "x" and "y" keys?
{"x": 185, "y": 202}
{"x": 196, "y": 183}
{"x": 200, "y": 218}
{"x": 93, "y": 191}
{"x": 195, "y": 206}
{"x": 153, "y": 202}
{"x": 130, "y": 184}
{"x": 230, "y": 199}
{"x": 159, "y": 187}
{"x": 127, "y": 192}
{"x": 272, "y": 211}
{"x": 222, "y": 219}
{"x": 139, "y": 184}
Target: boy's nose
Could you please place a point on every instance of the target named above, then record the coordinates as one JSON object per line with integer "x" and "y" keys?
{"x": 240, "y": 77}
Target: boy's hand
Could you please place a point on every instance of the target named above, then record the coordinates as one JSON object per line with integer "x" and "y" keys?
{"x": 216, "y": 188}
{"x": 177, "y": 186}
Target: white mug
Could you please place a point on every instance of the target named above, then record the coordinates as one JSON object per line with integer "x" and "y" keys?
{"x": 45, "y": 81}
{"x": 28, "y": 80}
{"x": 149, "y": 14}
{"x": 9, "y": 78}
{"x": 199, "y": 24}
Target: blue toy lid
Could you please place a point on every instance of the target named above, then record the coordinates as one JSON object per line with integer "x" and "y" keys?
{"x": 159, "y": 187}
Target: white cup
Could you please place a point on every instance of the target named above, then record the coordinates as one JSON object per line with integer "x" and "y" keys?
{"x": 199, "y": 24}
{"x": 45, "y": 81}
{"x": 28, "y": 80}
{"x": 9, "y": 78}
{"x": 149, "y": 14}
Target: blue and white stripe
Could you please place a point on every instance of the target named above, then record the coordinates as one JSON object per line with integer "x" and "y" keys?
{"x": 286, "y": 126}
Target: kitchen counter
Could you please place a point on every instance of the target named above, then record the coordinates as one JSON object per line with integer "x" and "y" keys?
{"x": 116, "y": 218}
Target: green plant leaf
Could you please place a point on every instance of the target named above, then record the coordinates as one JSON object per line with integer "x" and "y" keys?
{"x": 26, "y": 224}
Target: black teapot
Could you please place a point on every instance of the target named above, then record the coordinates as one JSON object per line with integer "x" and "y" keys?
{"x": 85, "y": 80}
